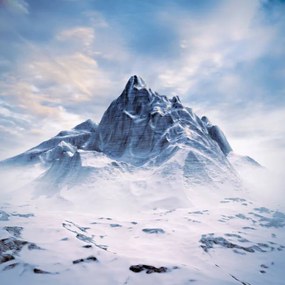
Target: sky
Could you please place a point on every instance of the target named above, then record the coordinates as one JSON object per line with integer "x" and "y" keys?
{"x": 64, "y": 61}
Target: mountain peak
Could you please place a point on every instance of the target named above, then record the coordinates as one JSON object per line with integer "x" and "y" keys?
{"x": 136, "y": 82}
{"x": 143, "y": 127}
{"x": 87, "y": 125}
{"x": 136, "y": 90}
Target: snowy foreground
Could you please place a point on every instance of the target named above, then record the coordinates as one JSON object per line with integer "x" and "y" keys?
{"x": 219, "y": 236}
{"x": 153, "y": 194}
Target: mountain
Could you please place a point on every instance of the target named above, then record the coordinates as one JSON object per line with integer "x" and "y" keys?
{"x": 153, "y": 194}
{"x": 140, "y": 129}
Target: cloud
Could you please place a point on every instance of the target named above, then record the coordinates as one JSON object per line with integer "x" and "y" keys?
{"x": 74, "y": 76}
{"x": 79, "y": 37}
{"x": 77, "y": 33}
{"x": 16, "y": 6}
{"x": 212, "y": 47}
{"x": 43, "y": 88}
{"x": 63, "y": 72}
{"x": 53, "y": 86}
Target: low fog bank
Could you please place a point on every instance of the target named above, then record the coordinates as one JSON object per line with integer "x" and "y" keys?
{"x": 129, "y": 193}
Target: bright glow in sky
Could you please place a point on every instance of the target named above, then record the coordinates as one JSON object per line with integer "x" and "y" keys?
{"x": 64, "y": 61}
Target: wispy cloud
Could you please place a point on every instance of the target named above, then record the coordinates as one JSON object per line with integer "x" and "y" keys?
{"x": 15, "y": 6}
{"x": 214, "y": 47}
{"x": 78, "y": 37}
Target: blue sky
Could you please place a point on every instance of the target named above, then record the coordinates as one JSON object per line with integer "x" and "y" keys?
{"x": 64, "y": 61}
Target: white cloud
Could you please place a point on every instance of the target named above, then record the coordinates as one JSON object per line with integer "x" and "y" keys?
{"x": 43, "y": 83}
{"x": 17, "y": 6}
{"x": 77, "y": 74}
{"x": 82, "y": 38}
{"x": 48, "y": 82}
{"x": 231, "y": 34}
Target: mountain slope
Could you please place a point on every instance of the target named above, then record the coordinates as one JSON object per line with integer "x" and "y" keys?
{"x": 75, "y": 137}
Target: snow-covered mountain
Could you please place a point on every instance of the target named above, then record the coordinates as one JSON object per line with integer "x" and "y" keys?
{"x": 140, "y": 129}
{"x": 153, "y": 194}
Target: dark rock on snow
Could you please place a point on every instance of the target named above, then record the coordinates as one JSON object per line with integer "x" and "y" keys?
{"x": 148, "y": 268}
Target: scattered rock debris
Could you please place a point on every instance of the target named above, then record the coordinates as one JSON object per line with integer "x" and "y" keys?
{"x": 88, "y": 259}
